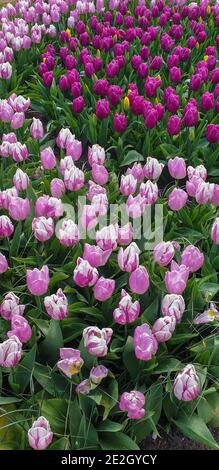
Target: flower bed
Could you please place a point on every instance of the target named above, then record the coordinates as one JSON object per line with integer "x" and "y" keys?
{"x": 109, "y": 223}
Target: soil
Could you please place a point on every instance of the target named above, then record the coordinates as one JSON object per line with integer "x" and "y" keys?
{"x": 175, "y": 441}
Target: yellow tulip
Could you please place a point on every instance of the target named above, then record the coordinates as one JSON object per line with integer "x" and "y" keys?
{"x": 205, "y": 58}
{"x": 68, "y": 31}
{"x": 126, "y": 103}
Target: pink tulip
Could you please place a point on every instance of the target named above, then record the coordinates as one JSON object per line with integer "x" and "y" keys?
{"x": 103, "y": 289}
{"x": 18, "y": 120}
{"x": 173, "y": 305}
{"x": 106, "y": 238}
{"x": 135, "y": 206}
{"x": 48, "y": 207}
{"x": 11, "y": 306}
{"x": 209, "y": 315}
{"x": 186, "y": 385}
{"x": 95, "y": 255}
{"x": 163, "y": 328}
{"x": 139, "y": 280}
{"x": 38, "y": 280}
{"x": 152, "y": 169}
{"x": 99, "y": 174}
{"x": 192, "y": 185}
{"x": 96, "y": 154}
{"x": 43, "y": 228}
{"x": 176, "y": 279}
{"x": 19, "y": 152}
{"x": 40, "y": 434}
{"x": 56, "y": 305}
{"x": 84, "y": 387}
{"x": 10, "y": 352}
{"x": 133, "y": 403}
{"x": 145, "y": 344}
{"x": 128, "y": 259}
{"x": 97, "y": 374}
{"x": 48, "y": 158}
{"x": 149, "y": 192}
{"x": 164, "y": 252}
{"x": 20, "y": 328}
{"x": 69, "y": 234}
{"x": 199, "y": 171}
{"x": 125, "y": 234}
{"x": 96, "y": 340}
{"x": 94, "y": 190}
{"x": 57, "y": 188}
{"x": 36, "y": 129}
{"x": 84, "y": 274}
{"x": 100, "y": 203}
{"x": 204, "y": 193}
{"x": 89, "y": 217}
{"x": 3, "y": 264}
{"x": 177, "y": 168}
{"x": 19, "y": 209}
{"x": 128, "y": 185}
{"x": 136, "y": 171}
{"x": 74, "y": 179}
{"x": 74, "y": 148}
{"x": 64, "y": 138}
{"x": 177, "y": 199}
{"x": 66, "y": 164}
{"x": 21, "y": 180}
{"x": 127, "y": 311}
{"x": 70, "y": 362}
{"x": 192, "y": 258}
{"x": 6, "y": 226}
{"x": 215, "y": 231}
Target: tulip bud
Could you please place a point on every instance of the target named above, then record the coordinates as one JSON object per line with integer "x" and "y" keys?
{"x": 186, "y": 385}
{"x": 128, "y": 185}
{"x": 56, "y": 305}
{"x": 10, "y": 352}
{"x": 43, "y": 228}
{"x": 57, "y": 188}
{"x": 95, "y": 255}
{"x": 106, "y": 238}
{"x": 6, "y": 226}
{"x": 153, "y": 168}
{"x": 192, "y": 258}
{"x": 48, "y": 158}
{"x": 177, "y": 168}
{"x": 97, "y": 374}
{"x": 36, "y": 129}
{"x": 11, "y": 306}
{"x": 20, "y": 328}
{"x": 139, "y": 280}
{"x": 133, "y": 403}
{"x": 38, "y": 280}
{"x": 3, "y": 264}
{"x": 19, "y": 209}
{"x": 215, "y": 231}
{"x": 127, "y": 311}
{"x": 173, "y": 305}
{"x": 103, "y": 289}
{"x": 145, "y": 344}
{"x": 84, "y": 274}
{"x": 163, "y": 328}
{"x": 96, "y": 340}
{"x": 164, "y": 252}
{"x": 177, "y": 278}
{"x": 21, "y": 180}
{"x": 128, "y": 259}
{"x": 40, "y": 434}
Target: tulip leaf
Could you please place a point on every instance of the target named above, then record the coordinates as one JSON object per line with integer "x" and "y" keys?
{"x": 131, "y": 157}
{"x": 195, "y": 428}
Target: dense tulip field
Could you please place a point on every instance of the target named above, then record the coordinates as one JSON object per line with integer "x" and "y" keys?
{"x": 109, "y": 223}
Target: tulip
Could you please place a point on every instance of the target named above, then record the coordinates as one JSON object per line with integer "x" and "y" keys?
{"x": 70, "y": 362}
{"x": 145, "y": 344}
{"x": 95, "y": 255}
{"x": 48, "y": 158}
{"x": 19, "y": 152}
{"x": 207, "y": 101}
{"x": 18, "y": 120}
{"x": 69, "y": 234}
{"x": 66, "y": 164}
{"x": 163, "y": 328}
{"x": 36, "y": 129}
{"x": 192, "y": 258}
{"x": 128, "y": 185}
{"x": 6, "y": 111}
{"x": 11, "y": 306}
{"x": 40, "y": 434}
{"x": 199, "y": 171}
{"x": 106, "y": 238}
{"x": 136, "y": 171}
{"x": 102, "y": 109}
{"x": 96, "y": 340}
{"x": 135, "y": 206}
{"x": 139, "y": 280}
{"x": 94, "y": 190}
{"x": 103, "y": 289}
{"x": 74, "y": 179}
{"x": 175, "y": 74}
{"x": 84, "y": 387}
{"x": 21, "y": 180}
{"x": 127, "y": 311}
{"x": 204, "y": 193}
{"x": 176, "y": 279}
{"x": 88, "y": 218}
{"x": 212, "y": 133}
{"x": 153, "y": 169}
{"x": 97, "y": 374}
{"x": 215, "y": 231}
{"x": 177, "y": 168}
{"x": 48, "y": 207}
{"x": 19, "y": 209}
{"x": 84, "y": 274}
{"x": 74, "y": 148}
{"x": 57, "y": 188}
{"x": 186, "y": 385}
{"x": 133, "y": 403}
{"x": 119, "y": 123}
{"x": 38, "y": 280}
{"x": 6, "y": 226}
{"x": 164, "y": 252}
{"x": 43, "y": 228}
{"x": 78, "y": 105}
{"x": 3, "y": 264}
{"x": 174, "y": 125}
{"x": 96, "y": 154}
{"x": 173, "y": 305}
{"x": 208, "y": 316}
{"x": 100, "y": 203}
{"x": 149, "y": 192}
{"x": 64, "y": 138}
{"x": 100, "y": 174}
{"x": 177, "y": 199}
{"x": 128, "y": 259}
{"x": 125, "y": 234}
{"x": 10, "y": 352}
{"x": 20, "y": 328}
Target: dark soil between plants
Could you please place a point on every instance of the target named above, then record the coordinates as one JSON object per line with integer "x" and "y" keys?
{"x": 175, "y": 441}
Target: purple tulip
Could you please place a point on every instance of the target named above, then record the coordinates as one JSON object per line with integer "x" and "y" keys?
{"x": 145, "y": 344}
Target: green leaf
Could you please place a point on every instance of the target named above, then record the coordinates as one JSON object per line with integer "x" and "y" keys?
{"x": 57, "y": 278}
{"x": 75, "y": 417}
{"x": 109, "y": 426}
{"x": 8, "y": 400}
{"x": 19, "y": 378}
{"x": 131, "y": 157}
{"x": 55, "y": 410}
{"x": 60, "y": 444}
{"x": 107, "y": 398}
{"x": 49, "y": 348}
{"x": 168, "y": 365}
{"x": 131, "y": 362}
{"x": 51, "y": 381}
{"x": 117, "y": 441}
{"x": 195, "y": 428}
{"x": 16, "y": 240}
